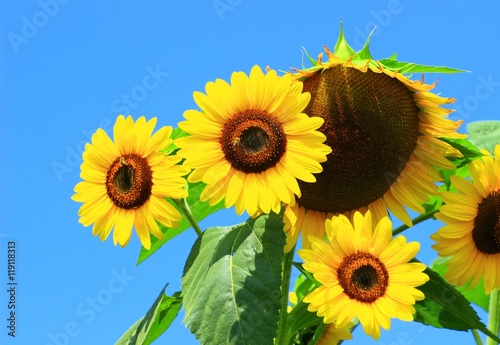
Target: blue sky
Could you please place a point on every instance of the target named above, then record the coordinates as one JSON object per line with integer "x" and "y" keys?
{"x": 68, "y": 67}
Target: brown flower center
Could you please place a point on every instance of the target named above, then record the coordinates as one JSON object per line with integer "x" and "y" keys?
{"x": 253, "y": 141}
{"x": 363, "y": 277}
{"x": 371, "y": 124}
{"x": 486, "y": 232}
{"x": 129, "y": 181}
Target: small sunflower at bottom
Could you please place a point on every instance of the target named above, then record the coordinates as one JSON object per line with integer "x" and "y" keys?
{"x": 365, "y": 274}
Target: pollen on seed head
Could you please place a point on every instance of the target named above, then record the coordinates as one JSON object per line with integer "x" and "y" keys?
{"x": 129, "y": 181}
{"x": 253, "y": 141}
{"x": 363, "y": 277}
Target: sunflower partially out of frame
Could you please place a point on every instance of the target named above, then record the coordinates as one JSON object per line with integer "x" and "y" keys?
{"x": 250, "y": 142}
{"x": 365, "y": 273}
{"x": 125, "y": 182}
{"x": 471, "y": 235}
{"x": 384, "y": 131}
{"x": 333, "y": 335}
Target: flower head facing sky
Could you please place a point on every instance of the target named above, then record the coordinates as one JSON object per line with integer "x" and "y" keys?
{"x": 471, "y": 235}
{"x": 250, "y": 142}
{"x": 125, "y": 182}
{"x": 384, "y": 131}
{"x": 365, "y": 273}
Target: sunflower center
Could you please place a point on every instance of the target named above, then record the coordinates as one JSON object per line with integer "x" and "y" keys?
{"x": 371, "y": 124}
{"x": 129, "y": 181}
{"x": 363, "y": 277}
{"x": 253, "y": 141}
{"x": 486, "y": 232}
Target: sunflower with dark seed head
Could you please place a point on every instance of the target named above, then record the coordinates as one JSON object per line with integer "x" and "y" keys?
{"x": 471, "y": 236}
{"x": 365, "y": 273}
{"x": 250, "y": 142}
{"x": 384, "y": 132}
{"x": 125, "y": 182}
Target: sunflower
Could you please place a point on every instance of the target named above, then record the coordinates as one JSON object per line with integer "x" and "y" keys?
{"x": 250, "y": 142}
{"x": 365, "y": 273}
{"x": 333, "y": 335}
{"x": 384, "y": 132}
{"x": 471, "y": 236}
{"x": 125, "y": 182}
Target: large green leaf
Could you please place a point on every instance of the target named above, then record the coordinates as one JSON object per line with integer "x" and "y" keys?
{"x": 484, "y": 134}
{"x": 445, "y": 307}
{"x": 476, "y": 295}
{"x": 156, "y": 321}
{"x": 232, "y": 280}
{"x": 199, "y": 209}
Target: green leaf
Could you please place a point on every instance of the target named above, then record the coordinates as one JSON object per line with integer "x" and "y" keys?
{"x": 469, "y": 152}
{"x": 476, "y": 295}
{"x": 156, "y": 321}
{"x": 484, "y": 134}
{"x": 176, "y": 133}
{"x": 200, "y": 210}
{"x": 409, "y": 67}
{"x": 433, "y": 204}
{"x": 445, "y": 307}
{"x": 232, "y": 280}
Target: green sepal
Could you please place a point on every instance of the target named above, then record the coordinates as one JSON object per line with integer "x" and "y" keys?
{"x": 311, "y": 60}
{"x": 364, "y": 53}
{"x": 342, "y": 49}
{"x": 411, "y": 68}
{"x": 363, "y": 57}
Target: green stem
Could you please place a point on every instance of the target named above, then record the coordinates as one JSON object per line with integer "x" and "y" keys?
{"x": 415, "y": 221}
{"x": 317, "y": 335}
{"x": 183, "y": 205}
{"x": 477, "y": 337}
{"x": 494, "y": 316}
{"x": 285, "y": 286}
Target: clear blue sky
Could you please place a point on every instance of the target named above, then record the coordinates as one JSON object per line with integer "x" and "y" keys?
{"x": 68, "y": 67}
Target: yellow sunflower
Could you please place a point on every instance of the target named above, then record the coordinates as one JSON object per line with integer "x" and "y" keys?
{"x": 125, "y": 182}
{"x": 384, "y": 132}
{"x": 471, "y": 236}
{"x": 333, "y": 335}
{"x": 365, "y": 273}
{"x": 251, "y": 142}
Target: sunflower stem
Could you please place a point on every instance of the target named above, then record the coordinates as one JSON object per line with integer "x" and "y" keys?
{"x": 494, "y": 316}
{"x": 285, "y": 286}
{"x": 317, "y": 335}
{"x": 477, "y": 337}
{"x": 186, "y": 210}
{"x": 417, "y": 220}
